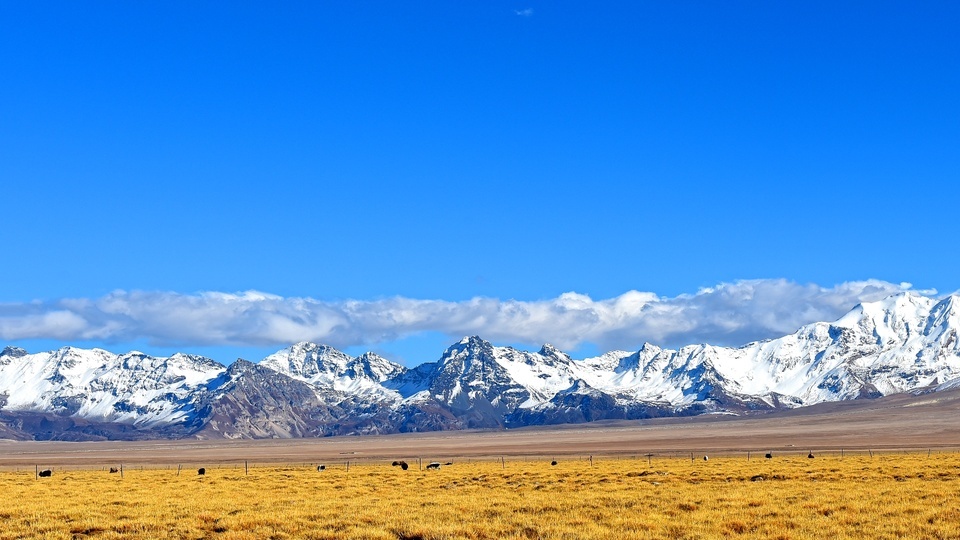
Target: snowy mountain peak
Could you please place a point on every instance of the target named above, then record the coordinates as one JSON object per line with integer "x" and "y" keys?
{"x": 649, "y": 348}
{"x": 901, "y": 306}
{"x": 238, "y": 367}
{"x": 551, "y": 351}
{"x": 471, "y": 342}
{"x": 334, "y": 373}
{"x": 99, "y": 385}
{"x": 13, "y": 352}
{"x": 201, "y": 362}
{"x": 307, "y": 361}
{"x": 465, "y": 354}
{"x": 375, "y": 367}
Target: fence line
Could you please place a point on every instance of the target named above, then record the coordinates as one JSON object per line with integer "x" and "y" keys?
{"x": 643, "y": 458}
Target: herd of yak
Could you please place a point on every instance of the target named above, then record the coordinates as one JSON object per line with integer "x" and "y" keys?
{"x": 320, "y": 468}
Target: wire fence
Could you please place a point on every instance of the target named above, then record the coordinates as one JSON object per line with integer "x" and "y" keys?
{"x": 422, "y": 462}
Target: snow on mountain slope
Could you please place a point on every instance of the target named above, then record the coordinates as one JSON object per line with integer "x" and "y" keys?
{"x": 504, "y": 376}
{"x": 898, "y": 344}
{"x": 97, "y": 384}
{"x": 328, "y": 369}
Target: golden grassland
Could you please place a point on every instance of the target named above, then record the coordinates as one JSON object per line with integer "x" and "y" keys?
{"x": 884, "y": 496}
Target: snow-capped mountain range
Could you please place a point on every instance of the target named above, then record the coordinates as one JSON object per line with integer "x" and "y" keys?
{"x": 905, "y": 343}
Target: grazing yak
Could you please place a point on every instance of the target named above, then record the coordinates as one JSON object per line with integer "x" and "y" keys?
{"x": 201, "y": 471}
{"x": 114, "y": 470}
{"x": 706, "y": 458}
{"x": 768, "y": 456}
{"x": 45, "y": 473}
{"x": 553, "y": 463}
{"x": 810, "y": 455}
{"x": 402, "y": 464}
{"x": 321, "y": 467}
{"x": 435, "y": 465}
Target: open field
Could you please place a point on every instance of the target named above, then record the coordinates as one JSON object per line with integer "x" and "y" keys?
{"x": 870, "y": 490}
{"x": 641, "y": 482}
{"x": 892, "y": 495}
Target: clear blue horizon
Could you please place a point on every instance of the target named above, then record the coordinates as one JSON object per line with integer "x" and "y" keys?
{"x": 375, "y": 152}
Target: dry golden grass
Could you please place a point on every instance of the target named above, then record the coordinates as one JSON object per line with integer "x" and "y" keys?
{"x": 888, "y": 496}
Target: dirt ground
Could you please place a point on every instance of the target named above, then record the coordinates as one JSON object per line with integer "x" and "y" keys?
{"x": 895, "y": 422}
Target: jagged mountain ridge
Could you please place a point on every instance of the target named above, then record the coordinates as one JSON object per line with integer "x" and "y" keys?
{"x": 906, "y": 342}
{"x": 101, "y": 386}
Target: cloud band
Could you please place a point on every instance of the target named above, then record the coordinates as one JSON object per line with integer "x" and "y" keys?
{"x": 728, "y": 314}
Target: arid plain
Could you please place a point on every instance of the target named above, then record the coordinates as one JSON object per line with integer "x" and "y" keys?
{"x": 891, "y": 423}
{"x": 887, "y": 468}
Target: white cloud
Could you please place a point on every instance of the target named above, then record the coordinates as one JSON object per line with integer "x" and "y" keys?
{"x": 727, "y": 314}
{"x": 524, "y": 12}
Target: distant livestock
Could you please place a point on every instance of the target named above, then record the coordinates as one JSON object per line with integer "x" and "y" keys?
{"x": 45, "y": 473}
{"x": 321, "y": 467}
{"x": 768, "y": 456}
{"x": 554, "y": 462}
{"x": 201, "y": 471}
{"x": 705, "y": 458}
{"x": 114, "y": 470}
{"x": 448, "y": 463}
{"x": 402, "y": 464}
{"x": 435, "y": 465}
{"x": 810, "y": 455}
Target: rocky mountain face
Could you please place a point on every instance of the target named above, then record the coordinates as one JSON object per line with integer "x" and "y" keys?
{"x": 905, "y": 343}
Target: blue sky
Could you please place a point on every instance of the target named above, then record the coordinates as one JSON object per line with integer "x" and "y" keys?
{"x": 379, "y": 152}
